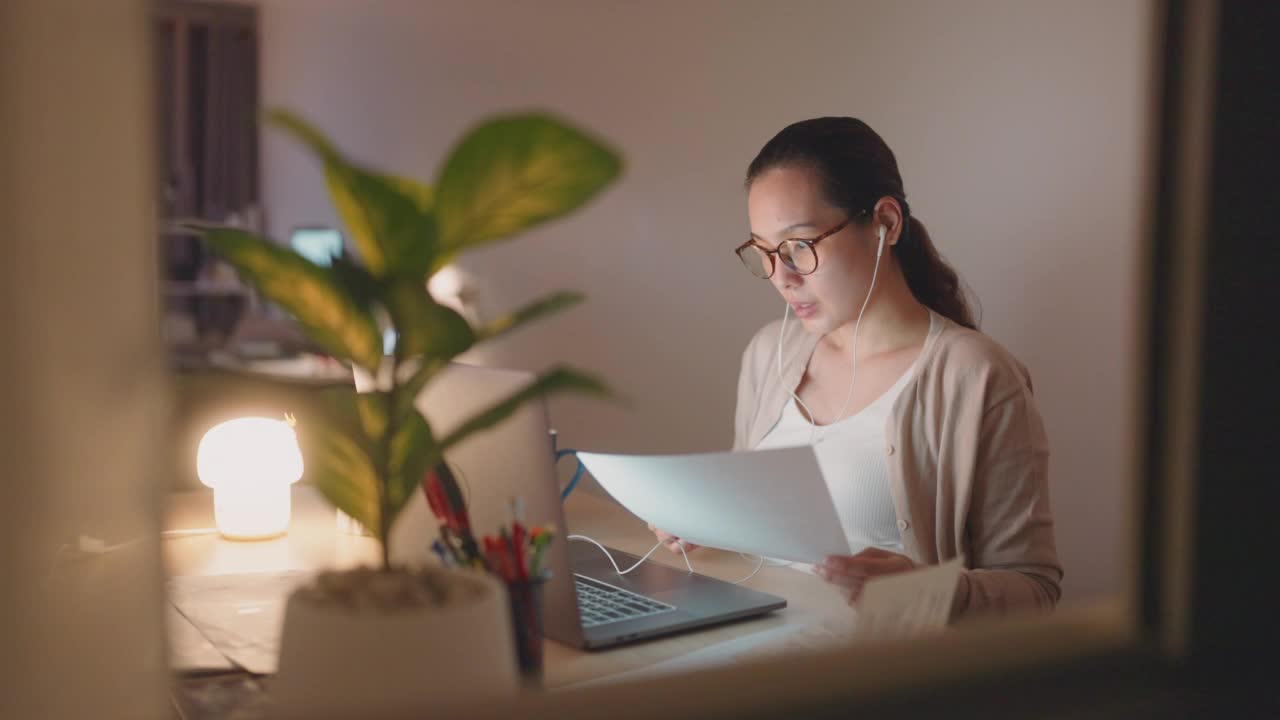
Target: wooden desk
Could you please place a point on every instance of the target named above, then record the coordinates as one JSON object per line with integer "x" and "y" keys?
{"x": 815, "y": 614}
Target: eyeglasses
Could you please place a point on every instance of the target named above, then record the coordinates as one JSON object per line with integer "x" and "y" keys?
{"x": 798, "y": 255}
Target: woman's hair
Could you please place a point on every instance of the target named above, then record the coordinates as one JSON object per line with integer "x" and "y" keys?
{"x": 856, "y": 169}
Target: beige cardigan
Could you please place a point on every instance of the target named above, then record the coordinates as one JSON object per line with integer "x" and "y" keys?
{"x": 968, "y": 461}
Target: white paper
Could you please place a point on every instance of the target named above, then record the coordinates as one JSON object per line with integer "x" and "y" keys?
{"x": 241, "y": 615}
{"x": 189, "y": 650}
{"x": 765, "y": 502}
{"x": 908, "y": 604}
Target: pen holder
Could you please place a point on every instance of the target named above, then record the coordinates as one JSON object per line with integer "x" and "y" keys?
{"x": 526, "y": 623}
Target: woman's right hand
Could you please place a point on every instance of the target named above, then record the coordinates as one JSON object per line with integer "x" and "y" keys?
{"x": 672, "y": 542}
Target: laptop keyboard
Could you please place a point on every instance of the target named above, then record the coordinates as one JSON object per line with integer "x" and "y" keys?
{"x": 601, "y": 603}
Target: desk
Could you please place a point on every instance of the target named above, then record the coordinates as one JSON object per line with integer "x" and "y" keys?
{"x": 815, "y": 614}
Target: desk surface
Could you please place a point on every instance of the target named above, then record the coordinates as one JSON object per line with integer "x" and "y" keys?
{"x": 815, "y": 615}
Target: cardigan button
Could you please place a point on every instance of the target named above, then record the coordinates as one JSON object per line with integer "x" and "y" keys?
{"x": 903, "y": 525}
{"x": 889, "y": 448}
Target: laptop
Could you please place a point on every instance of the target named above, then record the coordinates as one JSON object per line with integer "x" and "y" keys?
{"x": 586, "y": 603}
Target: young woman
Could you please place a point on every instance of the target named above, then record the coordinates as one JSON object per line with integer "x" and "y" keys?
{"x": 926, "y": 429}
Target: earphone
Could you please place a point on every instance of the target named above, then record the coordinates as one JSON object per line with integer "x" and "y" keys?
{"x": 882, "y": 231}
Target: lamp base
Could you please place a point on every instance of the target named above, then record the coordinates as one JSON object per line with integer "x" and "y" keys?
{"x": 252, "y": 513}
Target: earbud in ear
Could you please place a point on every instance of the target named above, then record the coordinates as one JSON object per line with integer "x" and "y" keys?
{"x": 880, "y": 247}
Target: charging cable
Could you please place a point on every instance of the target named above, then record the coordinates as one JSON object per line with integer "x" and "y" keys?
{"x": 577, "y": 474}
{"x": 557, "y": 453}
{"x": 192, "y": 532}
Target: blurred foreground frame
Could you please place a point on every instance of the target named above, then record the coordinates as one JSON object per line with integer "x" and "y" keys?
{"x": 1190, "y": 643}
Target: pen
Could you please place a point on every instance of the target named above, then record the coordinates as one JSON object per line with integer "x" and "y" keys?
{"x": 518, "y": 551}
{"x": 491, "y": 553}
{"x": 438, "y": 549}
{"x": 541, "y": 540}
{"x": 454, "y": 544}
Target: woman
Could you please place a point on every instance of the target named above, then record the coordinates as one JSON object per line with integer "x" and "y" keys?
{"x": 926, "y": 429}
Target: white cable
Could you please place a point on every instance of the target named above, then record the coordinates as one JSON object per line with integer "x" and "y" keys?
{"x": 613, "y": 562}
{"x": 188, "y": 533}
{"x": 813, "y": 425}
{"x": 770, "y": 563}
{"x": 653, "y": 549}
{"x": 854, "y": 374}
{"x": 753, "y": 572}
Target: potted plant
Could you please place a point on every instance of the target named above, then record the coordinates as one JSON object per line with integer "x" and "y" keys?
{"x": 371, "y": 450}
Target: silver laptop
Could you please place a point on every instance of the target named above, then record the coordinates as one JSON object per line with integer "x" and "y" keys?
{"x": 587, "y": 603}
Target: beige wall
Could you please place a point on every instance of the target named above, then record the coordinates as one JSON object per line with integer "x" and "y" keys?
{"x": 1018, "y": 127}
{"x": 81, "y": 380}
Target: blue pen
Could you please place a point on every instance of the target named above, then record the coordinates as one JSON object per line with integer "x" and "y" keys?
{"x": 438, "y": 549}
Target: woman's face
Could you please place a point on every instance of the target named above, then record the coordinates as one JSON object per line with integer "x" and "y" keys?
{"x": 787, "y": 202}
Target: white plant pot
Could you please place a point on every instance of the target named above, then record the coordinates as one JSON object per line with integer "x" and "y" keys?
{"x": 340, "y": 662}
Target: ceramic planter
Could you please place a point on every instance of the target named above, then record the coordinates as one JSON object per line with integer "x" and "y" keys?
{"x": 363, "y": 663}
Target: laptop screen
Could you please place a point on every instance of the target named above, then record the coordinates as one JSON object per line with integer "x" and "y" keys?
{"x": 320, "y": 245}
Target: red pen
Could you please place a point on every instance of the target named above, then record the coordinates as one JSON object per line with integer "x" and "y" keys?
{"x": 517, "y": 543}
{"x": 508, "y": 556}
{"x": 491, "y": 553}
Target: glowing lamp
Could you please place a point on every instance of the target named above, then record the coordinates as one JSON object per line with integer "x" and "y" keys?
{"x": 250, "y": 464}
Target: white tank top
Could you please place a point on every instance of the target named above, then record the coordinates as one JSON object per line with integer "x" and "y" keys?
{"x": 852, "y": 458}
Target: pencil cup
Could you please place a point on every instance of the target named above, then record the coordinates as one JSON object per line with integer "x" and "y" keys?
{"x": 526, "y": 623}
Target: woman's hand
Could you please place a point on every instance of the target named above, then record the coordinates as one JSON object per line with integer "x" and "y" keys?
{"x": 850, "y": 573}
{"x": 671, "y": 542}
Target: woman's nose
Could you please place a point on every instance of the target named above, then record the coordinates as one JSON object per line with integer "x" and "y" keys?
{"x": 784, "y": 278}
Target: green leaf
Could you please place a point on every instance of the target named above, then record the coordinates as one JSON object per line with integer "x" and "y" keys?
{"x": 539, "y": 308}
{"x": 425, "y": 328}
{"x": 373, "y": 409}
{"x": 312, "y": 294}
{"x": 340, "y": 468}
{"x": 343, "y": 444}
{"x": 388, "y": 217}
{"x": 413, "y": 450}
{"x": 555, "y": 380}
{"x": 422, "y": 194}
{"x": 362, "y": 286}
{"x": 407, "y": 395}
{"x": 512, "y": 173}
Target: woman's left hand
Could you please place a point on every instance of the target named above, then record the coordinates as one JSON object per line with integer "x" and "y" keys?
{"x": 850, "y": 573}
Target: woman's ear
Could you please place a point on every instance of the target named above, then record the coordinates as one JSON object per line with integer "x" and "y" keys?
{"x": 889, "y": 214}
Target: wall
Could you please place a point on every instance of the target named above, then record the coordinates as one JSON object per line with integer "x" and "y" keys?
{"x": 1019, "y": 129}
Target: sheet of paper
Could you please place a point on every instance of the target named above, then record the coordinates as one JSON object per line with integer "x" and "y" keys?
{"x": 189, "y": 650}
{"x": 764, "y": 502}
{"x": 908, "y": 604}
{"x": 242, "y": 615}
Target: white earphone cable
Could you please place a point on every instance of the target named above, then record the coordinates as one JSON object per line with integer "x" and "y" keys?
{"x": 654, "y": 549}
{"x": 813, "y": 425}
{"x": 614, "y": 563}
{"x": 853, "y": 375}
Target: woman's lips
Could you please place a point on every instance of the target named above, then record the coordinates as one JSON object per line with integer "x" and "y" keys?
{"x": 804, "y": 310}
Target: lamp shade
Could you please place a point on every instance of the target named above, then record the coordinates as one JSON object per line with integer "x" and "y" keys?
{"x": 250, "y": 464}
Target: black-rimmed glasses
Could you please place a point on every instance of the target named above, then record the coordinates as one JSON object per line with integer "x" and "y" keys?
{"x": 797, "y": 254}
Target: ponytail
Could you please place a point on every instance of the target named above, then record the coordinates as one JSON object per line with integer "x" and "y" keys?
{"x": 933, "y": 282}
